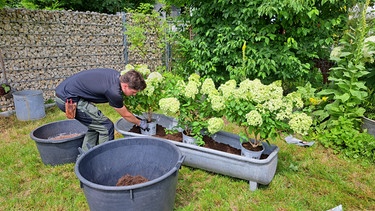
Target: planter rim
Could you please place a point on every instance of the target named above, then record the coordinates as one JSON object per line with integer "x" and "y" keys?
{"x": 42, "y": 140}
{"x": 368, "y": 119}
{"x": 27, "y": 92}
{"x": 129, "y": 187}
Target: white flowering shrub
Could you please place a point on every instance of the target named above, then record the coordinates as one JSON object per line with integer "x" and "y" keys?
{"x": 262, "y": 110}
{"x": 200, "y": 106}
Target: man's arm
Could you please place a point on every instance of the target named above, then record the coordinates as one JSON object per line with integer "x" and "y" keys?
{"x": 126, "y": 114}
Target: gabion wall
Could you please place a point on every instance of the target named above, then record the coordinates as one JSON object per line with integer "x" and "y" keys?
{"x": 42, "y": 48}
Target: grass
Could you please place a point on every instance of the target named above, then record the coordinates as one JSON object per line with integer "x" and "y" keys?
{"x": 306, "y": 178}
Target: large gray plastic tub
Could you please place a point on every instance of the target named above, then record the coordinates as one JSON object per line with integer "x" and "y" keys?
{"x": 62, "y": 151}
{"x": 253, "y": 170}
{"x": 155, "y": 159}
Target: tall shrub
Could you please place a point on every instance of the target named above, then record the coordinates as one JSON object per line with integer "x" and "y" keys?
{"x": 282, "y": 37}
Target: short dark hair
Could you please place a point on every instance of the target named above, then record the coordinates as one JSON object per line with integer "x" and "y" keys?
{"x": 134, "y": 80}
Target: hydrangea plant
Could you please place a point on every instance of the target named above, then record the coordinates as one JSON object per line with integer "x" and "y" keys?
{"x": 146, "y": 101}
{"x": 189, "y": 102}
{"x": 262, "y": 110}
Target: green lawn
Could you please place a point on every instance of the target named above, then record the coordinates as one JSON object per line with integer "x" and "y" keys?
{"x": 306, "y": 178}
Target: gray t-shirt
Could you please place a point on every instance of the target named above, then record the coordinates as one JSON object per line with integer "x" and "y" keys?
{"x": 100, "y": 85}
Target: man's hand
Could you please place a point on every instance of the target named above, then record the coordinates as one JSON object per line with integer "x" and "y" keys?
{"x": 144, "y": 125}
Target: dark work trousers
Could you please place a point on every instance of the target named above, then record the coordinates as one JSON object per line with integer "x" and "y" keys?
{"x": 100, "y": 128}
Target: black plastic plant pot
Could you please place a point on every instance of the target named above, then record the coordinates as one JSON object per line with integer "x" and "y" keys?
{"x": 58, "y": 142}
{"x": 100, "y": 168}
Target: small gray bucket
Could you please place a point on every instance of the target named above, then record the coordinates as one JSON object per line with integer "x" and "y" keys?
{"x": 29, "y": 104}
{"x": 99, "y": 169}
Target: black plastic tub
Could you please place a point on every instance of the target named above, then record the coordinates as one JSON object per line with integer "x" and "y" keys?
{"x": 59, "y": 151}
{"x": 157, "y": 160}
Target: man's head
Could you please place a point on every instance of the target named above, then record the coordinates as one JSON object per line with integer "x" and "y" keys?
{"x": 132, "y": 82}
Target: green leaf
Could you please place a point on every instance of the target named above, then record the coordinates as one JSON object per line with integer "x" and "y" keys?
{"x": 327, "y": 92}
{"x": 361, "y": 95}
{"x": 313, "y": 13}
{"x": 344, "y": 97}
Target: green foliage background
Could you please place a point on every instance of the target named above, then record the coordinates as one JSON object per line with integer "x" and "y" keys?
{"x": 103, "y": 6}
{"x": 283, "y": 37}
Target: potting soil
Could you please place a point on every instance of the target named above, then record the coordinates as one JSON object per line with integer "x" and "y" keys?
{"x": 64, "y": 136}
{"x": 128, "y": 179}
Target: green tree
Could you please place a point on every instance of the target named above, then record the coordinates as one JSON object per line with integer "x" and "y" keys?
{"x": 282, "y": 37}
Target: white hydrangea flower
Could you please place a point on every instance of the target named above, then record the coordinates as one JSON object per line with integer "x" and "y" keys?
{"x": 300, "y": 123}
{"x": 228, "y": 88}
{"x": 153, "y": 82}
{"x": 274, "y": 92}
{"x": 191, "y": 89}
{"x": 195, "y": 78}
{"x": 277, "y": 83}
{"x": 149, "y": 90}
{"x": 285, "y": 112}
{"x": 295, "y": 98}
{"x": 169, "y": 105}
{"x": 254, "y": 118}
{"x": 260, "y": 92}
{"x": 217, "y": 102}
{"x": 208, "y": 87}
{"x": 128, "y": 67}
{"x": 244, "y": 91}
{"x": 215, "y": 125}
{"x": 155, "y": 77}
{"x": 143, "y": 69}
{"x": 273, "y": 104}
{"x": 180, "y": 86}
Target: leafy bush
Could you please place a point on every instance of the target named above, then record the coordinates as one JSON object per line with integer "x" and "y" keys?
{"x": 345, "y": 139}
{"x": 283, "y": 37}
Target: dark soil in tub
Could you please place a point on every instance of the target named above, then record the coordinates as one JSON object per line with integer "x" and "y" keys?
{"x": 128, "y": 179}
